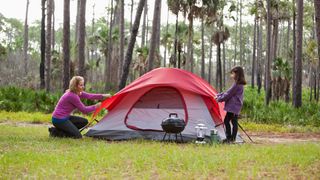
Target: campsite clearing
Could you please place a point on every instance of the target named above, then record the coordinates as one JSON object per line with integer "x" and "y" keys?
{"x": 27, "y": 152}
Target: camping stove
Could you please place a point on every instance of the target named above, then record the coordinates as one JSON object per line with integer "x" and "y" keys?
{"x": 201, "y": 131}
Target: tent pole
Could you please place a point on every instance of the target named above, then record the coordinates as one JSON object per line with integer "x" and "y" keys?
{"x": 245, "y": 132}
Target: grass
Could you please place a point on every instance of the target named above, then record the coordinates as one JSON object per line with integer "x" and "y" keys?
{"x": 30, "y": 117}
{"x": 28, "y": 152}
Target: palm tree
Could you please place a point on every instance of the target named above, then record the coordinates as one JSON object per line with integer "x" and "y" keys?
{"x": 48, "y": 44}
{"x": 153, "y": 41}
{"x": 81, "y": 38}
{"x": 66, "y": 44}
{"x": 297, "y": 100}
{"x": 317, "y": 15}
{"x": 25, "y": 44}
{"x": 134, "y": 32}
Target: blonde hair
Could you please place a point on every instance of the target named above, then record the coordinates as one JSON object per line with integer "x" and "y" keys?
{"x": 74, "y": 82}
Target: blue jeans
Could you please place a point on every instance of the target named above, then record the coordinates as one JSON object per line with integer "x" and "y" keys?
{"x": 69, "y": 127}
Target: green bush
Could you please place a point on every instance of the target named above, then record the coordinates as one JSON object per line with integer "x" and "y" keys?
{"x": 280, "y": 112}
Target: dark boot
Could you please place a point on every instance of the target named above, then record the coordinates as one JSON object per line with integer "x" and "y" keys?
{"x": 54, "y": 132}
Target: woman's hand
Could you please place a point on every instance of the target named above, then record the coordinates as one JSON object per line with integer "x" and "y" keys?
{"x": 98, "y": 105}
{"x": 106, "y": 96}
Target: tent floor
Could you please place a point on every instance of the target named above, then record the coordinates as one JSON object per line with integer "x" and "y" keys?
{"x": 126, "y": 135}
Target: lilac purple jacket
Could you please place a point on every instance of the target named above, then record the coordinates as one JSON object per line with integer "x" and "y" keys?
{"x": 233, "y": 98}
{"x": 70, "y": 101}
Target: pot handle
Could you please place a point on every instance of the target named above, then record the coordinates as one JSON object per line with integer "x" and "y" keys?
{"x": 173, "y": 114}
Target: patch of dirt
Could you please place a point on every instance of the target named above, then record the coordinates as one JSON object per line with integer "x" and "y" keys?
{"x": 263, "y": 137}
{"x": 24, "y": 124}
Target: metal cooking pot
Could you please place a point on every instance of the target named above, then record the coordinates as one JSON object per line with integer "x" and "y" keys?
{"x": 173, "y": 124}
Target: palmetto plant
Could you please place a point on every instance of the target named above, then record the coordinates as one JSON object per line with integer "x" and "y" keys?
{"x": 282, "y": 75}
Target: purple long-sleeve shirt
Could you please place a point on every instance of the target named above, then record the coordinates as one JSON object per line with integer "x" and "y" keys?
{"x": 70, "y": 101}
{"x": 233, "y": 98}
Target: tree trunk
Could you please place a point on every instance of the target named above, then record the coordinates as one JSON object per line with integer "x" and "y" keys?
{"x": 297, "y": 100}
{"x": 81, "y": 38}
{"x": 43, "y": 44}
{"x": 317, "y": 17}
{"x": 176, "y": 41}
{"x": 224, "y": 66}
{"x": 153, "y": 40}
{"x": 268, "y": 63}
{"x": 53, "y": 39}
{"x": 158, "y": 34}
{"x": 275, "y": 33}
{"x": 121, "y": 58}
{"x": 143, "y": 34}
{"x": 294, "y": 50}
{"x": 107, "y": 71}
{"x": 76, "y": 43}
{"x": 166, "y": 42}
{"x": 131, "y": 13}
{"x": 236, "y": 38}
{"x": 210, "y": 61}
{"x": 25, "y": 41}
{"x": 132, "y": 41}
{"x": 254, "y": 52}
{"x": 66, "y": 44}
{"x": 218, "y": 72}
{"x": 241, "y": 43}
{"x": 202, "y": 50}
{"x": 259, "y": 59}
{"x": 190, "y": 43}
{"x": 48, "y": 45}
{"x": 288, "y": 39}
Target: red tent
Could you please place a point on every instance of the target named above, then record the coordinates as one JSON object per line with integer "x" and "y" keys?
{"x": 143, "y": 104}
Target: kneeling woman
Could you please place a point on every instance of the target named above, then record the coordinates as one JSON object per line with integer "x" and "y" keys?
{"x": 66, "y": 125}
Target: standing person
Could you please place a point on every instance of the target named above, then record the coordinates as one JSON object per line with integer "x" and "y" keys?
{"x": 66, "y": 125}
{"x": 233, "y": 99}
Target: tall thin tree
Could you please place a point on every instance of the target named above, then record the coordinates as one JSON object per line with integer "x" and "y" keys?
{"x": 48, "y": 45}
{"x": 253, "y": 67}
{"x": 293, "y": 47}
{"x": 297, "y": 100}
{"x": 143, "y": 34}
{"x": 317, "y": 17}
{"x": 53, "y": 39}
{"x": 241, "y": 40}
{"x": 121, "y": 58}
{"x": 153, "y": 40}
{"x": 202, "y": 49}
{"x": 132, "y": 41}
{"x": 26, "y": 39}
{"x": 66, "y": 44}
{"x": 42, "y": 44}
{"x": 81, "y": 38}
{"x": 268, "y": 63}
{"x": 107, "y": 71}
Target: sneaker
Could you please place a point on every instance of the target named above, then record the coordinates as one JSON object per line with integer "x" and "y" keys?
{"x": 225, "y": 141}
